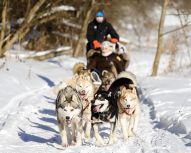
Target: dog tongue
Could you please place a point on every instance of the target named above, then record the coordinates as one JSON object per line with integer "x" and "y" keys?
{"x": 68, "y": 122}
{"x": 82, "y": 96}
{"x": 129, "y": 111}
{"x": 96, "y": 108}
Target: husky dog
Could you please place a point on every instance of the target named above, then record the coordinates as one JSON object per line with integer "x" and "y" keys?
{"x": 129, "y": 109}
{"x": 104, "y": 110}
{"x": 69, "y": 116}
{"x": 125, "y": 91}
{"x": 84, "y": 83}
{"x": 107, "y": 79}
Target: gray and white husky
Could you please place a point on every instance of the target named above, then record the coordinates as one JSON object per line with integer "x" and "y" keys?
{"x": 69, "y": 115}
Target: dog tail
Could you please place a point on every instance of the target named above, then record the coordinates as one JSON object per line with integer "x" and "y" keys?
{"x": 78, "y": 68}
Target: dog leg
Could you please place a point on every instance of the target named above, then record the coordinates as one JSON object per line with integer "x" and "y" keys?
{"x": 64, "y": 137}
{"x": 73, "y": 134}
{"x": 136, "y": 119}
{"x": 78, "y": 135}
{"x": 83, "y": 126}
{"x": 88, "y": 130}
{"x": 99, "y": 140}
{"x": 130, "y": 126}
{"x": 123, "y": 122}
{"x": 112, "y": 137}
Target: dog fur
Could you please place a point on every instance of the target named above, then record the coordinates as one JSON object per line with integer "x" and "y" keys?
{"x": 69, "y": 116}
{"x": 107, "y": 79}
{"x": 129, "y": 110}
{"x": 104, "y": 110}
{"x": 83, "y": 83}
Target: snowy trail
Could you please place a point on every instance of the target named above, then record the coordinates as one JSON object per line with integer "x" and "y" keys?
{"x": 28, "y": 120}
{"x": 14, "y": 103}
{"x": 33, "y": 128}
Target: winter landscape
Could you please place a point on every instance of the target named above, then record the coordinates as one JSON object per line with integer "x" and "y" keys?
{"x": 27, "y": 103}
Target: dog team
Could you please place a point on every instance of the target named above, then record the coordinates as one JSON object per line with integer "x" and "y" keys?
{"x": 90, "y": 99}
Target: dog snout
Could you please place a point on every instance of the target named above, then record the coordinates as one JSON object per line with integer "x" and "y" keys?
{"x": 83, "y": 92}
{"x": 67, "y": 117}
{"x": 128, "y": 106}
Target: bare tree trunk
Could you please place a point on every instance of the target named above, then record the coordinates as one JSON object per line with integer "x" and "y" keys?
{"x": 185, "y": 35}
{"x": 160, "y": 38}
{"x": 3, "y": 29}
{"x": 79, "y": 46}
{"x": 23, "y": 30}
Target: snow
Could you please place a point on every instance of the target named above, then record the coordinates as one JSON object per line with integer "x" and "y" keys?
{"x": 27, "y": 110}
{"x": 59, "y": 9}
{"x": 171, "y": 100}
{"x": 63, "y": 8}
{"x": 21, "y": 53}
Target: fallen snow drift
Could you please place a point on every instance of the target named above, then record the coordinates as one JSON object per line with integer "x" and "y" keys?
{"x": 171, "y": 101}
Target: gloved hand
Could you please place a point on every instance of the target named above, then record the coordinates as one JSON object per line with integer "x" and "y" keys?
{"x": 96, "y": 44}
{"x": 114, "y": 40}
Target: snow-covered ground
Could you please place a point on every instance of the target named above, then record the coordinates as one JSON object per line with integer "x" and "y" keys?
{"x": 27, "y": 110}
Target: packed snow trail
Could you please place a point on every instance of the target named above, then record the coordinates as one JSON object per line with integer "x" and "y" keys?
{"x": 28, "y": 120}
{"x": 32, "y": 127}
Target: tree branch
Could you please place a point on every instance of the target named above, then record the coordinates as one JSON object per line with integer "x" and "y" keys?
{"x": 174, "y": 30}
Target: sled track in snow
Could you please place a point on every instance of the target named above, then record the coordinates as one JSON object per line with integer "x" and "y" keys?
{"x": 14, "y": 104}
{"x": 40, "y": 129}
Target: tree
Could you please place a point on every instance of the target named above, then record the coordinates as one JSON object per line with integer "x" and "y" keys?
{"x": 22, "y": 31}
{"x": 79, "y": 46}
{"x": 160, "y": 38}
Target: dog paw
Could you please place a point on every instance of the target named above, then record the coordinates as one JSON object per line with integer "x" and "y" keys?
{"x": 65, "y": 145}
{"x": 111, "y": 142}
{"x": 87, "y": 136}
{"x": 130, "y": 134}
{"x": 77, "y": 144}
{"x": 126, "y": 139}
{"x": 99, "y": 144}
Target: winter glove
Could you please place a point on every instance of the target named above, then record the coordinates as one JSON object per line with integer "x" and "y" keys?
{"x": 114, "y": 40}
{"x": 96, "y": 44}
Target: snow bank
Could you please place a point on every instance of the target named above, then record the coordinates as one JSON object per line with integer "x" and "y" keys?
{"x": 170, "y": 99}
{"x": 19, "y": 78}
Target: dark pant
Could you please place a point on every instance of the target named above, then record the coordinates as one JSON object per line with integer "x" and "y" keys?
{"x": 89, "y": 46}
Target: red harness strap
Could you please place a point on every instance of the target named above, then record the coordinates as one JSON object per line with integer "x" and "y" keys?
{"x": 88, "y": 103}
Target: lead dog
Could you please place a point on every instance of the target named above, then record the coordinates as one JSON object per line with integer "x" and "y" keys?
{"x": 84, "y": 82}
{"x": 129, "y": 110}
{"x": 69, "y": 116}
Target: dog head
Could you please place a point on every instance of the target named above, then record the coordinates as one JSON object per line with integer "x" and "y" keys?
{"x": 68, "y": 104}
{"x": 107, "y": 79}
{"x": 128, "y": 98}
{"x": 84, "y": 85}
{"x": 101, "y": 102}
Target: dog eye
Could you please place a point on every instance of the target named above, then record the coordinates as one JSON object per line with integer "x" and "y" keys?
{"x": 101, "y": 98}
{"x": 132, "y": 99}
{"x": 61, "y": 106}
{"x": 72, "y": 110}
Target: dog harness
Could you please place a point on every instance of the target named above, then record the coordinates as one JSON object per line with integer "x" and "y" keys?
{"x": 87, "y": 104}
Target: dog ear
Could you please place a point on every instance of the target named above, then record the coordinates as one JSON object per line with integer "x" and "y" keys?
{"x": 131, "y": 86}
{"x": 134, "y": 91}
{"x": 123, "y": 90}
{"x": 104, "y": 72}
